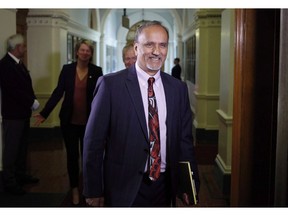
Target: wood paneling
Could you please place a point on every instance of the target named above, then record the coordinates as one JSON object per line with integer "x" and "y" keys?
{"x": 255, "y": 107}
{"x": 281, "y": 180}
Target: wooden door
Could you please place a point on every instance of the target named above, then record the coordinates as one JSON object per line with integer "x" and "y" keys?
{"x": 255, "y": 107}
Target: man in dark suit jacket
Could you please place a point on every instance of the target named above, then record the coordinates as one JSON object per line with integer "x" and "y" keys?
{"x": 116, "y": 144}
{"x": 18, "y": 101}
{"x": 176, "y": 70}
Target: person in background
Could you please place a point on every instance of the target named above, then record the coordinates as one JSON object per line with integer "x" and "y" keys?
{"x": 128, "y": 55}
{"x": 126, "y": 125}
{"x": 76, "y": 83}
{"x": 18, "y": 102}
{"x": 176, "y": 70}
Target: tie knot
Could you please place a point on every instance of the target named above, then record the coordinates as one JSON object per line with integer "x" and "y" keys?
{"x": 151, "y": 80}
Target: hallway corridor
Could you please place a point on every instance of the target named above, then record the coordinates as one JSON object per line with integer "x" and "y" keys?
{"x": 47, "y": 161}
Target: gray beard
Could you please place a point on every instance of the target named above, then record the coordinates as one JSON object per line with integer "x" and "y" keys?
{"x": 154, "y": 68}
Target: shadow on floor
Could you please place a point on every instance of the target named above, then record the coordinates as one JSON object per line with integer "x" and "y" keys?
{"x": 32, "y": 200}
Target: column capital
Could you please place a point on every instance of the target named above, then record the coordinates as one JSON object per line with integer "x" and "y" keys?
{"x": 208, "y": 18}
{"x": 47, "y": 17}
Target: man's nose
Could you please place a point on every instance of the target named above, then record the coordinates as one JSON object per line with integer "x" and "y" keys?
{"x": 156, "y": 50}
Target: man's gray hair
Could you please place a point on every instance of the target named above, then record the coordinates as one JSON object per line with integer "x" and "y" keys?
{"x": 13, "y": 41}
{"x": 148, "y": 24}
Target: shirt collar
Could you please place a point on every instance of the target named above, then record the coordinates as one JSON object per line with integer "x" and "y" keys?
{"x": 13, "y": 57}
{"x": 143, "y": 76}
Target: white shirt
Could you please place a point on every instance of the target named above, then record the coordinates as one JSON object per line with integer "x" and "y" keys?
{"x": 161, "y": 105}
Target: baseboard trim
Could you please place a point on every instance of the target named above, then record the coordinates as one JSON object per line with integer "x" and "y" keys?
{"x": 223, "y": 178}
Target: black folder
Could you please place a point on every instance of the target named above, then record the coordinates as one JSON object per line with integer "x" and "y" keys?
{"x": 186, "y": 182}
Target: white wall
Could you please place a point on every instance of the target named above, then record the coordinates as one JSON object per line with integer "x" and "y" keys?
{"x": 109, "y": 27}
{"x": 7, "y": 26}
{"x": 81, "y": 16}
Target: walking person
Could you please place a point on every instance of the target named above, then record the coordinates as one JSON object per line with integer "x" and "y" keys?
{"x": 176, "y": 70}
{"x": 76, "y": 83}
{"x": 139, "y": 128}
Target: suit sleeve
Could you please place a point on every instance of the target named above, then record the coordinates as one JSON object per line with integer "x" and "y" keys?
{"x": 57, "y": 94}
{"x": 95, "y": 140}
{"x": 187, "y": 141}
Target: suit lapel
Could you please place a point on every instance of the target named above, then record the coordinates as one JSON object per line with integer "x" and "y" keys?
{"x": 90, "y": 77}
{"x": 136, "y": 97}
{"x": 71, "y": 80}
{"x": 170, "y": 97}
{"x": 135, "y": 94}
{"x": 19, "y": 68}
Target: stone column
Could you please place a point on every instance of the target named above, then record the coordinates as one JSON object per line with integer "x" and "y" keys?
{"x": 46, "y": 53}
{"x": 208, "y": 38}
{"x": 225, "y": 111}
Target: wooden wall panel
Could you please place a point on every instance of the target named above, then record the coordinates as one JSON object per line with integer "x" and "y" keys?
{"x": 255, "y": 107}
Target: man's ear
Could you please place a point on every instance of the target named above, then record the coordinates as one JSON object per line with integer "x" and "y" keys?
{"x": 135, "y": 48}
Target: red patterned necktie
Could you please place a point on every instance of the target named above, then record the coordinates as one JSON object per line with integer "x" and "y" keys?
{"x": 155, "y": 159}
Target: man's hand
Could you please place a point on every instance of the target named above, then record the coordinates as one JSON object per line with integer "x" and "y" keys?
{"x": 185, "y": 199}
{"x": 95, "y": 202}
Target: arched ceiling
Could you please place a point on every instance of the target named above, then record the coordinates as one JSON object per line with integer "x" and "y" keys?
{"x": 171, "y": 18}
